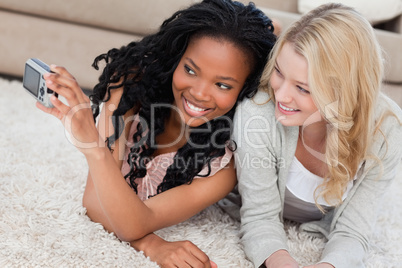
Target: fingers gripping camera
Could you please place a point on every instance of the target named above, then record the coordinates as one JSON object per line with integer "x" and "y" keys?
{"x": 34, "y": 82}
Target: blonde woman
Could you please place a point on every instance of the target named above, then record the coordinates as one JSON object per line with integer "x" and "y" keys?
{"x": 319, "y": 144}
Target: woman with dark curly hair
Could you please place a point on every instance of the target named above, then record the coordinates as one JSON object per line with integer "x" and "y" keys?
{"x": 161, "y": 150}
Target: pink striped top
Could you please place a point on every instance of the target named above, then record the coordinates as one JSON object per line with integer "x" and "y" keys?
{"x": 157, "y": 166}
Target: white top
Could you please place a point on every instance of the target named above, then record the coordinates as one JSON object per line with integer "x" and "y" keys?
{"x": 300, "y": 192}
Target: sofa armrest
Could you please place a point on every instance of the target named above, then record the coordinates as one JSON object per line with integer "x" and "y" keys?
{"x": 395, "y": 25}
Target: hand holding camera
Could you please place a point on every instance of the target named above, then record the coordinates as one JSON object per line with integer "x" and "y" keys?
{"x": 34, "y": 82}
{"x": 44, "y": 82}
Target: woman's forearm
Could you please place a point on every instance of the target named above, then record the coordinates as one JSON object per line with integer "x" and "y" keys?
{"x": 128, "y": 216}
{"x": 147, "y": 244}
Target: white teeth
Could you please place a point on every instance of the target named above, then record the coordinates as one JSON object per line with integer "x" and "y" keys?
{"x": 286, "y": 108}
{"x": 194, "y": 108}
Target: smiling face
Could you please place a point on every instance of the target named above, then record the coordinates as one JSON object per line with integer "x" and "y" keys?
{"x": 208, "y": 80}
{"x": 289, "y": 80}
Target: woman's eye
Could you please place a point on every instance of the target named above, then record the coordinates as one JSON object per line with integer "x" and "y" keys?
{"x": 224, "y": 86}
{"x": 189, "y": 70}
{"x": 277, "y": 71}
{"x": 303, "y": 90}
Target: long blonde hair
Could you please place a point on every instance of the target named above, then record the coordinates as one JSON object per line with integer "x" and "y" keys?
{"x": 345, "y": 69}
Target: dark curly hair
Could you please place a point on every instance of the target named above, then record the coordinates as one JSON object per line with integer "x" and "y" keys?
{"x": 145, "y": 68}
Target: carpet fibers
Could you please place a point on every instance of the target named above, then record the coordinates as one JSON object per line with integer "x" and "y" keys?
{"x": 43, "y": 223}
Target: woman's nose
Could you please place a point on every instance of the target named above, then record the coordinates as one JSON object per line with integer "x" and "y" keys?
{"x": 201, "y": 92}
{"x": 283, "y": 93}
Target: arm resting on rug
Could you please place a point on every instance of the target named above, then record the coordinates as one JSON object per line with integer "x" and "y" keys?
{"x": 130, "y": 218}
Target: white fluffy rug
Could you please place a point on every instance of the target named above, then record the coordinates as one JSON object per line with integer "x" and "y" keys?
{"x": 43, "y": 223}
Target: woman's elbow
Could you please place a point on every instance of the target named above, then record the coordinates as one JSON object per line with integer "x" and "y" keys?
{"x": 123, "y": 230}
{"x": 129, "y": 236}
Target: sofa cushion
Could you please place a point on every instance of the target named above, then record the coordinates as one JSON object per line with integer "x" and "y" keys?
{"x": 374, "y": 11}
{"x": 70, "y": 45}
{"x": 133, "y": 16}
{"x": 288, "y": 5}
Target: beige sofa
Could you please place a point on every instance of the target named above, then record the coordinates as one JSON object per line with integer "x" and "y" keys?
{"x": 72, "y": 33}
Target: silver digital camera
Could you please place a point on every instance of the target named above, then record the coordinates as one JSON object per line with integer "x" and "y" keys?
{"x": 34, "y": 82}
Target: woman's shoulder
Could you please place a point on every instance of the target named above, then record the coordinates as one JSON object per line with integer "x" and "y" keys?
{"x": 389, "y": 115}
{"x": 256, "y": 112}
{"x": 385, "y": 102}
{"x": 260, "y": 103}
{"x": 389, "y": 111}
